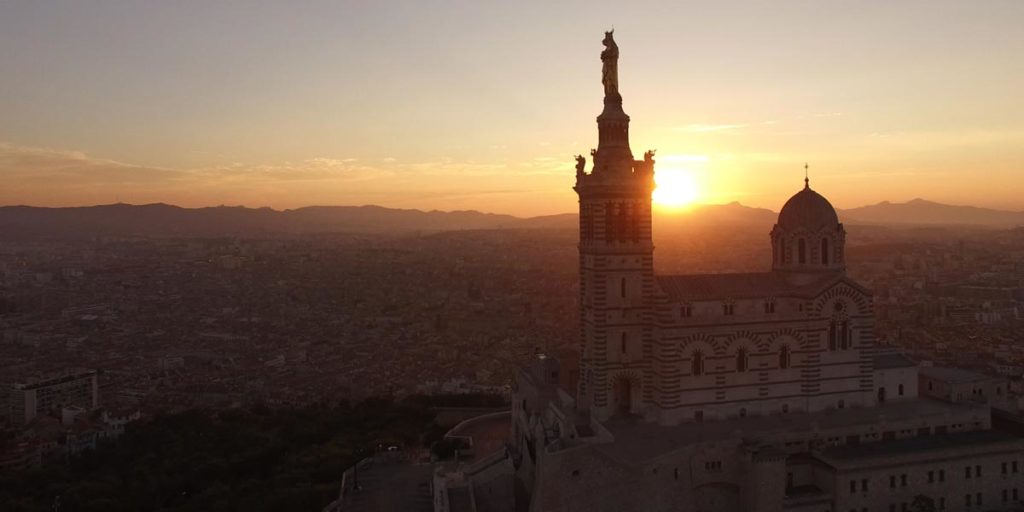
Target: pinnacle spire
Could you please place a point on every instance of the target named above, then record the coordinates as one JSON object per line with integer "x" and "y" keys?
{"x": 807, "y": 180}
{"x": 613, "y": 152}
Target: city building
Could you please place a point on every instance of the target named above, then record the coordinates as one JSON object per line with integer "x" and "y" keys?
{"x": 38, "y": 397}
{"x": 758, "y": 391}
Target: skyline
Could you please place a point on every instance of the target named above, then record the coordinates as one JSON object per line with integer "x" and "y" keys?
{"x": 467, "y": 106}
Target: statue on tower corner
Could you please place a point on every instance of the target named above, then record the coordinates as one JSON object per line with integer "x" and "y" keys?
{"x": 581, "y": 164}
{"x": 610, "y": 69}
{"x": 649, "y": 156}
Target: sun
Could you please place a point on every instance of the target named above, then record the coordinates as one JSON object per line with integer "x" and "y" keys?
{"x": 674, "y": 188}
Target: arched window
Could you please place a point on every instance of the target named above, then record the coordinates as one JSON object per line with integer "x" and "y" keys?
{"x": 832, "y": 337}
{"x": 623, "y": 342}
{"x": 824, "y": 251}
{"x": 899, "y": 390}
{"x": 698, "y": 416}
{"x": 741, "y": 360}
{"x": 697, "y": 363}
{"x": 842, "y": 404}
{"x": 743, "y": 412}
{"x": 785, "y": 407}
{"x": 844, "y": 335}
{"x": 801, "y": 249}
{"x": 784, "y": 357}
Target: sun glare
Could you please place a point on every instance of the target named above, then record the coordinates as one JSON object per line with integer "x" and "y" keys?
{"x": 674, "y": 188}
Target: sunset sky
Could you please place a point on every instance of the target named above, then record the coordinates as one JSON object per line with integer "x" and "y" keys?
{"x": 482, "y": 105}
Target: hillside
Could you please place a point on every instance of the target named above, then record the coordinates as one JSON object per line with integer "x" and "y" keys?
{"x": 167, "y": 220}
{"x": 922, "y": 212}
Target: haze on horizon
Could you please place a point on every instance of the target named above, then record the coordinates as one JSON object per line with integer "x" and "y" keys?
{"x": 467, "y": 105}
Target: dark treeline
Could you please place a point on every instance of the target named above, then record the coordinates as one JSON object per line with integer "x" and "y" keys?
{"x": 255, "y": 459}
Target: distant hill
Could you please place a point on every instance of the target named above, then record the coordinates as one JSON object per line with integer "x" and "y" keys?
{"x": 715, "y": 215}
{"x": 168, "y": 220}
{"x": 922, "y": 212}
{"x": 162, "y": 220}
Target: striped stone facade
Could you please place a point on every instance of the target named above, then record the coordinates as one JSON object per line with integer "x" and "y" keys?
{"x": 617, "y": 287}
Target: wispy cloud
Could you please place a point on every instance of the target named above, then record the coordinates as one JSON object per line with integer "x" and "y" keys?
{"x": 56, "y": 177}
{"x": 682, "y": 158}
{"x": 730, "y": 128}
{"x": 905, "y": 140}
{"x": 21, "y": 165}
{"x": 705, "y": 128}
{"x": 311, "y": 169}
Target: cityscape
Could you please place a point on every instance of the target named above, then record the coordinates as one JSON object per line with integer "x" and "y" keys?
{"x": 620, "y": 328}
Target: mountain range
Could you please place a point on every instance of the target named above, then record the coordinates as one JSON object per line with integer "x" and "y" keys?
{"x": 164, "y": 220}
{"x": 923, "y": 212}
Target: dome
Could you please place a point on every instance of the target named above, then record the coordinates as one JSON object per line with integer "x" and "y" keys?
{"x": 808, "y": 210}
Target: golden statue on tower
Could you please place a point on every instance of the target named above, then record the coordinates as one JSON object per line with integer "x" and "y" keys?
{"x": 610, "y": 69}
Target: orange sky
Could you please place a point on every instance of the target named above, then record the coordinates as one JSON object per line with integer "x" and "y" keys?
{"x": 471, "y": 105}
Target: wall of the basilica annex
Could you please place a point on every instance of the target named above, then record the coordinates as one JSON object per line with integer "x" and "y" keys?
{"x": 606, "y": 466}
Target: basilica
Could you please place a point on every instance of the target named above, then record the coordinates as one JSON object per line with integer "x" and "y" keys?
{"x": 759, "y": 392}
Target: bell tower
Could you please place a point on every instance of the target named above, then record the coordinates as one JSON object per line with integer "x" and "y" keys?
{"x": 616, "y": 262}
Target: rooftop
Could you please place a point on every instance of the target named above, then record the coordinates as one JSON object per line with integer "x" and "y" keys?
{"x": 389, "y": 485}
{"x": 952, "y": 375}
{"x": 871, "y": 453}
{"x": 490, "y": 433}
{"x": 892, "y": 360}
{"x": 637, "y": 441}
{"x": 745, "y": 285}
{"x": 808, "y": 210}
{"x": 55, "y": 379}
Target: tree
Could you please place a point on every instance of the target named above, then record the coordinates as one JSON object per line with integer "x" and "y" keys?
{"x": 922, "y": 503}
{"x": 257, "y": 459}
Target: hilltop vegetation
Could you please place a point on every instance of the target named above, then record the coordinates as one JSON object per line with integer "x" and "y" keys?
{"x": 257, "y": 459}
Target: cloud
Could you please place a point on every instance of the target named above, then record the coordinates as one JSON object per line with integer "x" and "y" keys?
{"x": 682, "y": 158}
{"x": 946, "y": 140}
{"x": 21, "y": 165}
{"x": 705, "y": 128}
{"x": 724, "y": 127}
{"x": 889, "y": 174}
{"x": 310, "y": 169}
{"x": 52, "y": 177}
{"x": 469, "y": 194}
